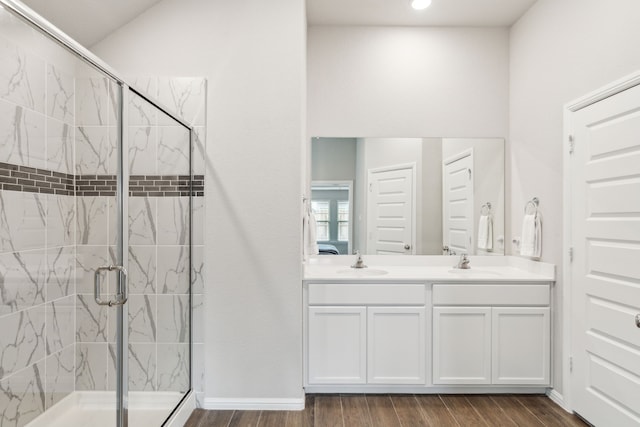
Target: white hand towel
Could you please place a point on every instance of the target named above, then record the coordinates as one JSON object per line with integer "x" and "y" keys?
{"x": 485, "y": 233}
{"x": 310, "y": 246}
{"x": 531, "y": 240}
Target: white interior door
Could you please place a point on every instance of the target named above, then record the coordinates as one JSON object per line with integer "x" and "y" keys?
{"x": 605, "y": 273}
{"x": 391, "y": 211}
{"x": 457, "y": 204}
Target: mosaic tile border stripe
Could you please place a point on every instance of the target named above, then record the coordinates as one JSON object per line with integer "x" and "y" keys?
{"x": 34, "y": 180}
{"x": 164, "y": 185}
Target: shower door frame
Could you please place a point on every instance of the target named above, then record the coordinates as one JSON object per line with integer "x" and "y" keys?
{"x": 122, "y": 195}
{"x": 122, "y": 245}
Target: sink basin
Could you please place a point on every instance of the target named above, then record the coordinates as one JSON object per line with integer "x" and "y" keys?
{"x": 358, "y": 272}
{"x": 473, "y": 272}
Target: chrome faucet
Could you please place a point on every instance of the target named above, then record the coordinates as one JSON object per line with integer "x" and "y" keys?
{"x": 463, "y": 263}
{"x": 359, "y": 262}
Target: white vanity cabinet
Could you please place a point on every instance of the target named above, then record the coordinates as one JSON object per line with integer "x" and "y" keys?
{"x": 491, "y": 334}
{"x": 337, "y": 343}
{"x": 366, "y": 334}
{"x": 396, "y": 345}
{"x": 462, "y": 345}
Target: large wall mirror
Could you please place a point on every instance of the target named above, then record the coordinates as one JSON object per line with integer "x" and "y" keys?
{"x": 409, "y": 196}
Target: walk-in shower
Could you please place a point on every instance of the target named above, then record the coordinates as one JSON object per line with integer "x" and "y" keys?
{"x": 96, "y": 206}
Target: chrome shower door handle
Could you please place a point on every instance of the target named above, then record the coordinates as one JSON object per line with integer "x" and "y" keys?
{"x": 121, "y": 295}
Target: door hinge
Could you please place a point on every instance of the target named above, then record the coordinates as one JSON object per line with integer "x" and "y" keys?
{"x": 570, "y": 254}
{"x": 570, "y": 363}
{"x": 572, "y": 144}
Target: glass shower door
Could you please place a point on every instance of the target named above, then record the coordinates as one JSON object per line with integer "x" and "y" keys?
{"x": 159, "y": 257}
{"x": 101, "y": 182}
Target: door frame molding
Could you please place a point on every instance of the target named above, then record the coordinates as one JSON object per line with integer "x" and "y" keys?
{"x": 569, "y": 109}
{"x": 413, "y": 166}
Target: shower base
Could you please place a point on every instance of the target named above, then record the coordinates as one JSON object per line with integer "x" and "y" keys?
{"x": 97, "y": 409}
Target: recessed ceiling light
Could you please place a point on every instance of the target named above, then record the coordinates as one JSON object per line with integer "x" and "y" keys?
{"x": 420, "y": 4}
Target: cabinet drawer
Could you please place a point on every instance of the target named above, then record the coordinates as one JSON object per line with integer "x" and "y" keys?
{"x": 534, "y": 295}
{"x": 365, "y": 294}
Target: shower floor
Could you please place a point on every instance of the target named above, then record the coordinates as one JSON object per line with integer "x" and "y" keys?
{"x": 97, "y": 409}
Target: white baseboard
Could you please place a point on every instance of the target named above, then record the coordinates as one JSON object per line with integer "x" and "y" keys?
{"x": 252, "y": 404}
{"x": 558, "y": 399}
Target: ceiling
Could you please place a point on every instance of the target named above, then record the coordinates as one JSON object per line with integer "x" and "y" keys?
{"x": 89, "y": 21}
{"x": 463, "y": 13}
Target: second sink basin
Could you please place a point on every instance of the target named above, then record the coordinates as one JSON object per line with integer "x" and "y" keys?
{"x": 362, "y": 272}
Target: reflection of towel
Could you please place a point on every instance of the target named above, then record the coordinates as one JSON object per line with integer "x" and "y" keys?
{"x": 309, "y": 233}
{"x": 485, "y": 232}
{"x": 531, "y": 240}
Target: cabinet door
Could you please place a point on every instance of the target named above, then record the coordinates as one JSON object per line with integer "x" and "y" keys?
{"x": 337, "y": 345}
{"x": 521, "y": 340}
{"x": 396, "y": 345}
{"x": 461, "y": 345}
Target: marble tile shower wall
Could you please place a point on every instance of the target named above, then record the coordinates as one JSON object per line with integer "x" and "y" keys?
{"x": 57, "y": 129}
{"x": 97, "y": 101}
{"x": 159, "y": 326}
{"x": 37, "y": 232}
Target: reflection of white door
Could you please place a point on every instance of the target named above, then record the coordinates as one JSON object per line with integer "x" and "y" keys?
{"x": 391, "y": 210}
{"x": 457, "y": 203}
{"x": 604, "y": 177}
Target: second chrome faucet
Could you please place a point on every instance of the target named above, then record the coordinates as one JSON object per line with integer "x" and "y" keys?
{"x": 359, "y": 262}
{"x": 463, "y": 263}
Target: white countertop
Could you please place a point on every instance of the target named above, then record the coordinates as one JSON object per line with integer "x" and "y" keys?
{"x": 390, "y": 268}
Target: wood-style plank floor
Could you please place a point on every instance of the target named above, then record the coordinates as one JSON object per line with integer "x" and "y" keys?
{"x": 400, "y": 410}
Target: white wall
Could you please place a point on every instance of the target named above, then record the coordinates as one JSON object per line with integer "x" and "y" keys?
{"x": 407, "y": 82}
{"x": 253, "y": 54}
{"x": 432, "y": 196}
{"x": 559, "y": 51}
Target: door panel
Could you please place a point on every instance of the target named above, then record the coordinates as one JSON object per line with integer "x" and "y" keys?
{"x": 391, "y": 211}
{"x": 605, "y": 187}
{"x": 457, "y": 204}
{"x": 604, "y": 198}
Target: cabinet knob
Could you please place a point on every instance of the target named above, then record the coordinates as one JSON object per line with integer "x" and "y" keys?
{"x": 638, "y": 320}
{"x": 407, "y": 246}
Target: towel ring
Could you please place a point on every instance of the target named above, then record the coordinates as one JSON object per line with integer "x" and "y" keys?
{"x": 485, "y": 209}
{"x": 533, "y": 203}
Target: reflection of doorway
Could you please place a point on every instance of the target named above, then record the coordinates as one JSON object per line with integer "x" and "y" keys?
{"x": 457, "y": 202}
{"x": 332, "y": 202}
{"x": 391, "y": 204}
